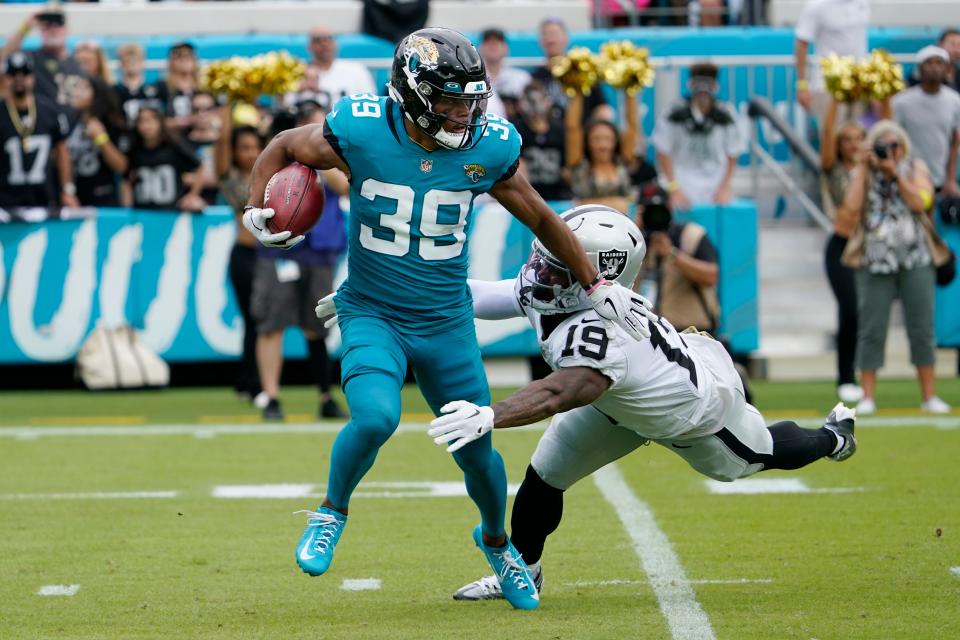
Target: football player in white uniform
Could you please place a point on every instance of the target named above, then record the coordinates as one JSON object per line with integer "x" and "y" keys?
{"x": 610, "y": 394}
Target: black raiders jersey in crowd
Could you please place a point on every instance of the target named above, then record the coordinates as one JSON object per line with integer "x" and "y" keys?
{"x": 178, "y": 103}
{"x": 53, "y": 76}
{"x": 543, "y": 158}
{"x": 157, "y": 175}
{"x": 28, "y": 176}
{"x": 130, "y": 101}
{"x": 96, "y": 182}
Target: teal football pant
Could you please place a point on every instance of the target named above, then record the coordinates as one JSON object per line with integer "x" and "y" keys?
{"x": 447, "y": 367}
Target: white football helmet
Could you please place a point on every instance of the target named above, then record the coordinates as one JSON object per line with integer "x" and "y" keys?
{"x": 611, "y": 241}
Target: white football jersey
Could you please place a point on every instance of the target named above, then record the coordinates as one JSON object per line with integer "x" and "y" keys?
{"x": 668, "y": 386}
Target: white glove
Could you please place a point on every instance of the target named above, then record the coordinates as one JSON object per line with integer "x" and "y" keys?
{"x": 255, "y": 221}
{"x": 462, "y": 423}
{"x": 327, "y": 307}
{"x": 614, "y": 302}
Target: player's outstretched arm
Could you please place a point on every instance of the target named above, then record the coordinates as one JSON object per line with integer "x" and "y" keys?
{"x": 610, "y": 300}
{"x": 525, "y": 204}
{"x": 306, "y": 145}
{"x": 563, "y": 390}
{"x": 494, "y": 300}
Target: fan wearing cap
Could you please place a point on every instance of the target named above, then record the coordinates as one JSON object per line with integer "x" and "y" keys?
{"x": 53, "y": 66}
{"x": 35, "y": 168}
{"x": 930, "y": 114}
{"x": 697, "y": 143}
{"x": 508, "y": 82}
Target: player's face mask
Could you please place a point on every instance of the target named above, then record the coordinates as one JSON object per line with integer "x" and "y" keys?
{"x": 548, "y": 286}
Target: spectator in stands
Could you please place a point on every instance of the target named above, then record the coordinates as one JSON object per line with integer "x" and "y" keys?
{"x": 554, "y": 41}
{"x": 158, "y": 162}
{"x": 336, "y": 77}
{"x": 35, "y": 166}
{"x": 236, "y": 152}
{"x": 133, "y": 88}
{"x": 831, "y": 26}
{"x": 93, "y": 60}
{"x": 203, "y": 134}
{"x": 598, "y": 158}
{"x": 697, "y": 143}
{"x": 544, "y": 148}
{"x": 288, "y": 284}
{"x": 950, "y": 42}
{"x": 840, "y": 148}
{"x": 97, "y": 142}
{"x": 177, "y": 89}
{"x": 53, "y": 67}
{"x": 508, "y": 82}
{"x": 894, "y": 252}
{"x": 930, "y": 114}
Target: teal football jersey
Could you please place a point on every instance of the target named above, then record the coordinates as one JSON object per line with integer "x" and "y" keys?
{"x": 410, "y": 212}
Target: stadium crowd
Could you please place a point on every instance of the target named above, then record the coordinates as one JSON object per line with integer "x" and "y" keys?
{"x": 76, "y": 134}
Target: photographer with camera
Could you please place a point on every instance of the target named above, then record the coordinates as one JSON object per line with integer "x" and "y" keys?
{"x": 895, "y": 250}
{"x": 679, "y": 274}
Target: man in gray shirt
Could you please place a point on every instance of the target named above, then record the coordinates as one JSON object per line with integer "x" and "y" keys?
{"x": 930, "y": 112}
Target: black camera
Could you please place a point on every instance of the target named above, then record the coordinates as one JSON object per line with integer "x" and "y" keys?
{"x": 656, "y": 217}
{"x": 54, "y": 18}
{"x": 656, "y": 214}
{"x": 883, "y": 149}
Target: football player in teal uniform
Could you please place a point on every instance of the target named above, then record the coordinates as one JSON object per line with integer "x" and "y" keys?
{"x": 416, "y": 161}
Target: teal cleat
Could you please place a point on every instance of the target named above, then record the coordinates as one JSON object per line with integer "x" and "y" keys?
{"x": 515, "y": 579}
{"x": 315, "y": 549}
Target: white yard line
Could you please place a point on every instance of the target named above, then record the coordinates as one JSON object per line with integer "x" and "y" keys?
{"x": 58, "y": 590}
{"x": 955, "y": 571}
{"x": 618, "y": 582}
{"x": 361, "y": 584}
{"x": 945, "y": 423}
{"x": 685, "y": 617}
{"x": 98, "y": 495}
{"x": 757, "y": 486}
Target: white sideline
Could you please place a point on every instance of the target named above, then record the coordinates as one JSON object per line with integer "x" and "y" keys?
{"x": 360, "y": 584}
{"x": 757, "y": 486}
{"x": 58, "y": 590}
{"x": 29, "y": 432}
{"x": 115, "y": 495}
{"x": 685, "y": 618}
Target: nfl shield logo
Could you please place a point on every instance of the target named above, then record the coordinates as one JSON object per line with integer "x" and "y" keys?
{"x": 426, "y": 166}
{"x": 612, "y": 263}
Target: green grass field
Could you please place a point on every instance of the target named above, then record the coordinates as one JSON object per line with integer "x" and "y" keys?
{"x": 866, "y": 553}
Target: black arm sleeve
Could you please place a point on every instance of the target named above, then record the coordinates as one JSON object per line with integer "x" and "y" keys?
{"x": 334, "y": 142}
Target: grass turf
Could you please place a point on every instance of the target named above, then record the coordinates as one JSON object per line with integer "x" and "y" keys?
{"x": 868, "y": 564}
{"x": 300, "y": 403}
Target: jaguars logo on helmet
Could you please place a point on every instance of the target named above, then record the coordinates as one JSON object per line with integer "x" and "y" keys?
{"x": 434, "y": 64}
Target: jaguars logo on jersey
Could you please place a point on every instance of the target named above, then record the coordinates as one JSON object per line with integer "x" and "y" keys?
{"x": 474, "y": 172}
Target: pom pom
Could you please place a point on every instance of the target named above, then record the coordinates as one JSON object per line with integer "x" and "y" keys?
{"x": 880, "y": 76}
{"x": 840, "y": 78}
{"x": 874, "y": 78}
{"x": 246, "y": 79}
{"x": 626, "y": 66}
{"x": 577, "y": 72}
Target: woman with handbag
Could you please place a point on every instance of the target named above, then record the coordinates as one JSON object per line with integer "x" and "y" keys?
{"x": 896, "y": 251}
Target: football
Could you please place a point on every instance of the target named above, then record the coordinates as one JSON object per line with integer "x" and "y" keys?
{"x": 295, "y": 193}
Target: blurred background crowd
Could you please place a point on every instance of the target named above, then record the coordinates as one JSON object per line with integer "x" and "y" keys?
{"x": 81, "y": 129}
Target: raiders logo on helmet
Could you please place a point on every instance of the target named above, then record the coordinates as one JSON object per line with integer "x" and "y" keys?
{"x": 612, "y": 263}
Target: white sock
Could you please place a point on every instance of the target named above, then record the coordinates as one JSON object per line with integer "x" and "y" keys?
{"x": 534, "y": 568}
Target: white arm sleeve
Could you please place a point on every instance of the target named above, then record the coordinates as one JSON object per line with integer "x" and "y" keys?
{"x": 494, "y": 300}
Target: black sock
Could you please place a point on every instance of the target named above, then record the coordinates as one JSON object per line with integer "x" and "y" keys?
{"x": 536, "y": 514}
{"x": 319, "y": 364}
{"x": 795, "y": 447}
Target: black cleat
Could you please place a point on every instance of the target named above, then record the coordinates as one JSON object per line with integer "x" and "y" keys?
{"x": 273, "y": 411}
{"x": 840, "y": 421}
{"x": 330, "y": 409}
